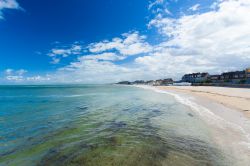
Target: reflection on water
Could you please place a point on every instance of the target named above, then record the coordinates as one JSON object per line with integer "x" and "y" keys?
{"x": 100, "y": 125}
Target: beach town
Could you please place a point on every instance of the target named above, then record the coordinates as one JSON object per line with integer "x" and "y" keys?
{"x": 232, "y": 78}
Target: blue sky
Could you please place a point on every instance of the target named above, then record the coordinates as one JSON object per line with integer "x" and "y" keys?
{"x": 80, "y": 41}
{"x": 44, "y": 22}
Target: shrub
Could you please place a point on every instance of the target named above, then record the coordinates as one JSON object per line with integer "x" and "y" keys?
{"x": 243, "y": 81}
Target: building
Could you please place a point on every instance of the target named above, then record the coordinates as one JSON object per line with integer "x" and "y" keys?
{"x": 214, "y": 78}
{"x": 248, "y": 73}
{"x": 168, "y": 81}
{"x": 195, "y": 77}
{"x": 234, "y": 77}
{"x": 151, "y": 82}
{"x": 163, "y": 82}
{"x": 226, "y": 78}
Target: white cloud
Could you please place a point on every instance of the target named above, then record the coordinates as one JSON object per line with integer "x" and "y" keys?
{"x": 160, "y": 7}
{"x": 20, "y": 76}
{"x": 14, "y": 75}
{"x": 55, "y": 60}
{"x": 38, "y": 78}
{"x": 215, "y": 41}
{"x": 14, "y": 78}
{"x": 97, "y": 64}
{"x": 21, "y": 72}
{"x": 154, "y": 3}
{"x": 8, "y": 4}
{"x": 195, "y": 7}
{"x": 168, "y": 12}
{"x": 15, "y": 72}
{"x": 214, "y": 5}
{"x": 129, "y": 44}
{"x": 166, "y": 26}
{"x": 63, "y": 52}
{"x": 58, "y": 53}
{"x": 8, "y": 71}
{"x": 107, "y": 56}
{"x": 92, "y": 71}
{"x": 23, "y": 79}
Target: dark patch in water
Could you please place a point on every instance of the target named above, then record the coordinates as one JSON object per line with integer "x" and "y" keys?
{"x": 82, "y": 108}
{"x": 191, "y": 115}
{"x": 152, "y": 151}
{"x": 126, "y": 109}
{"x": 49, "y": 123}
{"x": 156, "y": 111}
{"x": 30, "y": 138}
{"x": 145, "y": 118}
{"x": 124, "y": 144}
{"x": 117, "y": 125}
{"x": 114, "y": 141}
{"x": 38, "y": 101}
{"x": 8, "y": 153}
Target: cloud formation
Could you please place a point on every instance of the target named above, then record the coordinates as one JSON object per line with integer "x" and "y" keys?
{"x": 19, "y": 76}
{"x": 58, "y": 53}
{"x": 155, "y": 3}
{"x": 118, "y": 48}
{"x": 217, "y": 40}
{"x": 8, "y": 4}
{"x": 214, "y": 41}
{"x": 195, "y": 7}
{"x": 99, "y": 64}
{"x": 14, "y": 75}
{"x": 129, "y": 44}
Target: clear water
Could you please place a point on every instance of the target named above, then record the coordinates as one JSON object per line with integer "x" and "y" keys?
{"x": 100, "y": 125}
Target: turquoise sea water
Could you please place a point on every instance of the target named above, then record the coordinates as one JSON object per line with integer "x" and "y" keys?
{"x": 100, "y": 125}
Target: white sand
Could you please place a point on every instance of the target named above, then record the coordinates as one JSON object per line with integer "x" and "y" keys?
{"x": 235, "y": 98}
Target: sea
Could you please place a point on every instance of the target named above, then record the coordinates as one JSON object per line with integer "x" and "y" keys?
{"x": 101, "y": 125}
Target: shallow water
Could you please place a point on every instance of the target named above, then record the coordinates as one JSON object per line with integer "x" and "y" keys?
{"x": 101, "y": 125}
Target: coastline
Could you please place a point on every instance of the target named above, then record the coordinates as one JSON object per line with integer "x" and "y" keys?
{"x": 234, "y": 98}
{"x": 223, "y": 109}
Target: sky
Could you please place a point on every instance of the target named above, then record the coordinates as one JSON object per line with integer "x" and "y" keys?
{"x": 96, "y": 41}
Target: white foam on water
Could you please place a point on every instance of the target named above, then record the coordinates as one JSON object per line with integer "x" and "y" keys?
{"x": 209, "y": 116}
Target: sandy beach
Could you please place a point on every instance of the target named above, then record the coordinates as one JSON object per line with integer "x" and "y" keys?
{"x": 235, "y": 98}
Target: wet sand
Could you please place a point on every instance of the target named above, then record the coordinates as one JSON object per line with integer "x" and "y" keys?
{"x": 235, "y": 98}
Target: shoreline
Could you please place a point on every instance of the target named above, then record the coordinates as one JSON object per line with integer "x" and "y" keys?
{"x": 234, "y": 98}
{"x": 222, "y": 110}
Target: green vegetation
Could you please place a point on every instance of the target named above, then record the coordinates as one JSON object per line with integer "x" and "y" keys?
{"x": 243, "y": 81}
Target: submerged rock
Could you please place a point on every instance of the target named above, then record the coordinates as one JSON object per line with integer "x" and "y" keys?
{"x": 118, "y": 125}
{"x": 82, "y": 107}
